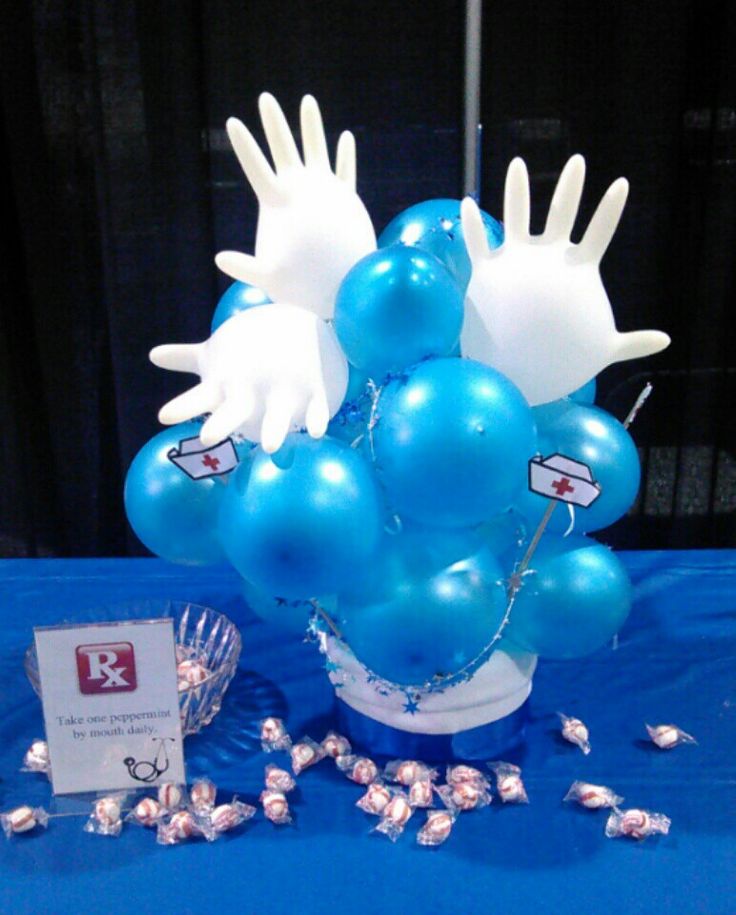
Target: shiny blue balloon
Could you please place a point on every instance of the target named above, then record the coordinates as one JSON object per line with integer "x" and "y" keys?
{"x": 396, "y": 306}
{"x": 301, "y": 530}
{"x": 435, "y": 226}
{"x": 290, "y": 615}
{"x": 594, "y": 437}
{"x": 585, "y": 394}
{"x": 576, "y": 599}
{"x": 452, "y": 442}
{"x": 172, "y": 514}
{"x": 428, "y": 608}
{"x": 236, "y": 298}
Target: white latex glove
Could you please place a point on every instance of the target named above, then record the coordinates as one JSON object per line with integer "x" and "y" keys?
{"x": 536, "y": 308}
{"x": 312, "y": 226}
{"x": 265, "y": 372}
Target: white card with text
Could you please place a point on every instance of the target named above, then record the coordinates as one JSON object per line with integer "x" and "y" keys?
{"x": 111, "y": 705}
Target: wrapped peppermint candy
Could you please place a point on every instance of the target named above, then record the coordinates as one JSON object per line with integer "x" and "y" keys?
{"x": 182, "y": 826}
{"x": 456, "y": 775}
{"x": 304, "y": 754}
{"x": 191, "y": 673}
{"x": 592, "y": 796}
{"x": 358, "y": 769}
{"x": 23, "y": 819}
{"x": 636, "y": 824}
{"x": 375, "y": 799}
{"x": 274, "y": 736}
{"x": 437, "y": 828}
{"x": 147, "y": 812}
{"x": 394, "y": 816}
{"x": 408, "y": 771}
{"x": 105, "y": 818}
{"x": 279, "y": 779}
{"x": 202, "y": 796}
{"x": 575, "y": 732}
{"x": 335, "y": 745}
{"x": 421, "y": 793}
{"x": 275, "y": 807}
{"x": 37, "y": 758}
{"x": 464, "y": 796}
{"x": 509, "y": 786}
{"x": 170, "y": 796}
{"x": 668, "y": 736}
{"x": 227, "y": 816}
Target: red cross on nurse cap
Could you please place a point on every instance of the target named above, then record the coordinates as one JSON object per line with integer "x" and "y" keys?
{"x": 563, "y": 479}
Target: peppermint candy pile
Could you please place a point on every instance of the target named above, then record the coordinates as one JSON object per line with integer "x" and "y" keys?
{"x": 392, "y": 793}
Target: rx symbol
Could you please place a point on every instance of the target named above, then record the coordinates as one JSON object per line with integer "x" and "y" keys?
{"x": 108, "y": 668}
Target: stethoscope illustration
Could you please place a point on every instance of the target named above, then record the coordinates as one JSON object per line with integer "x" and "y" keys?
{"x": 145, "y": 771}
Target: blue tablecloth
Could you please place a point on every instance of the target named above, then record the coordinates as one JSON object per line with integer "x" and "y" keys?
{"x": 674, "y": 663}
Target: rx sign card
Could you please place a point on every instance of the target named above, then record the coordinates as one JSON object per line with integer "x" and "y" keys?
{"x": 111, "y": 705}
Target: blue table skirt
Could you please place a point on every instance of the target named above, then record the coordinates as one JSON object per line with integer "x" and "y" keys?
{"x": 675, "y": 662}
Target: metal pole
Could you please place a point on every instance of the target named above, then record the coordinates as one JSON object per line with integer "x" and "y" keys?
{"x": 471, "y": 146}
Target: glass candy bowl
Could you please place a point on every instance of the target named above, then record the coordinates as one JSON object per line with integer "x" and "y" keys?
{"x": 201, "y": 635}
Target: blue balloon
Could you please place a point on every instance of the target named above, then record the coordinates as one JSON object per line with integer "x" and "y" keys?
{"x": 290, "y": 615}
{"x": 585, "y": 394}
{"x": 301, "y": 530}
{"x": 426, "y": 608}
{"x": 435, "y": 226}
{"x": 396, "y": 306}
{"x": 576, "y": 600}
{"x": 596, "y": 438}
{"x": 452, "y": 442}
{"x": 236, "y": 298}
{"x": 174, "y": 515}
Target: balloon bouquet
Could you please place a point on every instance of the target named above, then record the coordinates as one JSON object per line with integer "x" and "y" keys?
{"x": 372, "y": 407}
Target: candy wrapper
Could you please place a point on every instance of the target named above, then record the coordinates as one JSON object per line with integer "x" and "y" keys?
{"x": 636, "y": 824}
{"x": 421, "y": 793}
{"x": 279, "y": 779}
{"x": 106, "y": 818}
{"x": 668, "y": 736}
{"x": 396, "y": 814}
{"x": 575, "y": 732}
{"x": 358, "y": 769}
{"x": 182, "y": 826}
{"x": 23, "y": 819}
{"x": 304, "y": 754}
{"x": 464, "y": 796}
{"x": 202, "y": 796}
{"x": 191, "y": 673}
{"x": 509, "y": 786}
{"x": 275, "y": 807}
{"x": 336, "y": 745}
{"x": 274, "y": 736}
{"x": 147, "y": 812}
{"x": 229, "y": 816}
{"x": 437, "y": 828}
{"x": 375, "y": 799}
{"x": 170, "y": 796}
{"x": 37, "y": 758}
{"x": 456, "y": 775}
{"x": 408, "y": 771}
{"x": 592, "y": 796}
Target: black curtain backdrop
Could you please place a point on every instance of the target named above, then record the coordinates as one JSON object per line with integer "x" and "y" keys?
{"x": 119, "y": 186}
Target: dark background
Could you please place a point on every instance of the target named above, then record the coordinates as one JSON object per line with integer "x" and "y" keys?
{"x": 119, "y": 187}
